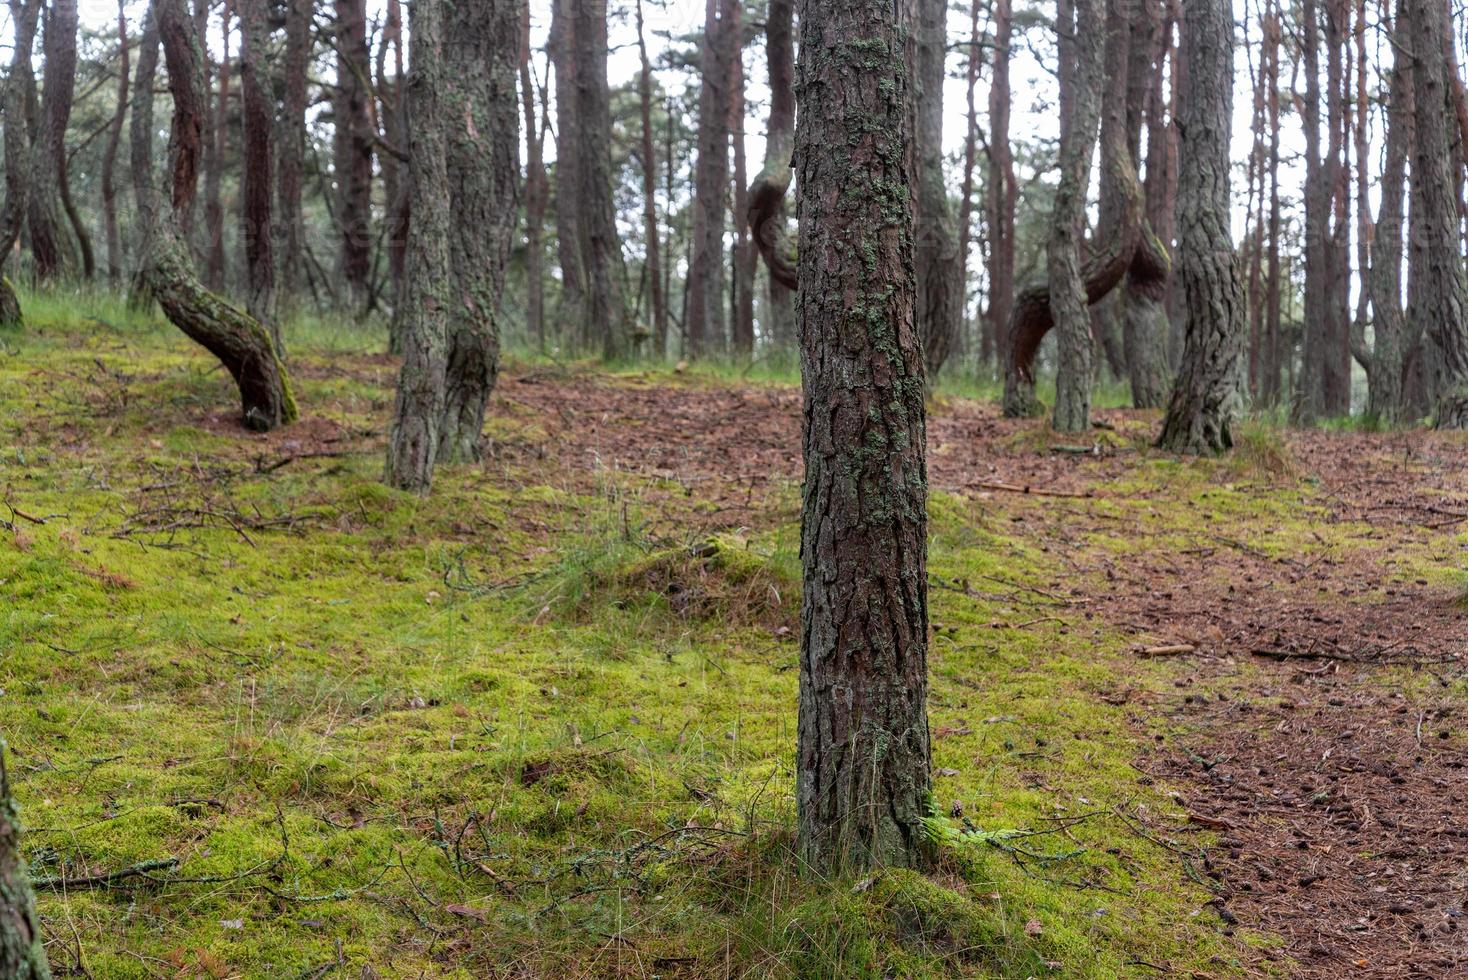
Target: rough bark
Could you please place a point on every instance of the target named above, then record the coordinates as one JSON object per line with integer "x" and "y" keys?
{"x": 479, "y": 113}
{"x": 706, "y": 284}
{"x": 24, "y": 15}
{"x": 604, "y": 315}
{"x": 1273, "y": 386}
{"x": 242, "y": 345}
{"x": 741, "y": 316}
{"x": 1000, "y": 198}
{"x": 215, "y": 156}
{"x": 258, "y": 178}
{"x": 536, "y": 193}
{"x": 654, "y": 265}
{"x": 561, "y": 47}
{"x": 394, "y": 162}
{"x": 1437, "y": 292}
{"x": 291, "y": 146}
{"x": 109, "y": 155}
{"x": 353, "y": 148}
{"x": 966, "y": 193}
{"x": 1209, "y": 384}
{"x": 766, "y": 201}
{"x": 940, "y": 277}
{"x": 429, "y": 278}
{"x": 863, "y": 757}
{"x": 50, "y": 246}
{"x": 22, "y": 944}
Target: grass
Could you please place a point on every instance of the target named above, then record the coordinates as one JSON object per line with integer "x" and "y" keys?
{"x": 507, "y": 730}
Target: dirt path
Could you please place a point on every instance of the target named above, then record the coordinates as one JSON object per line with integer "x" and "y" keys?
{"x": 1323, "y": 742}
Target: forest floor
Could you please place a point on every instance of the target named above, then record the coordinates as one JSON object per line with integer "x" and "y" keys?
{"x": 267, "y": 718}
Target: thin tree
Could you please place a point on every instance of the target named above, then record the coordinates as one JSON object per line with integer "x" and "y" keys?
{"x": 746, "y": 259}
{"x": 353, "y": 147}
{"x": 215, "y": 155}
{"x": 109, "y": 154}
{"x": 291, "y": 145}
{"x": 766, "y": 200}
{"x": 24, "y": 15}
{"x": 393, "y": 160}
{"x": 258, "y": 180}
{"x": 863, "y": 757}
{"x": 604, "y": 314}
{"x": 22, "y": 943}
{"x": 940, "y": 276}
{"x": 536, "y": 192}
{"x": 970, "y": 162}
{"x": 706, "y": 284}
{"x": 1208, "y": 390}
{"x": 242, "y": 345}
{"x": 561, "y": 49}
{"x": 650, "y": 232}
{"x": 1001, "y": 193}
{"x": 50, "y": 246}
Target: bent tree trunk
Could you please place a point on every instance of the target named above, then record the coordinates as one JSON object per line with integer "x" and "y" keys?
{"x": 863, "y": 758}
{"x": 1208, "y": 387}
{"x": 242, "y": 345}
{"x": 22, "y": 955}
{"x": 480, "y": 52}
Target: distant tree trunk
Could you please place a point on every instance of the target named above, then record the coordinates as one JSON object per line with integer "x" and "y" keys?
{"x": 766, "y": 207}
{"x": 1001, "y": 197}
{"x": 22, "y": 944}
{"x": 291, "y": 145}
{"x": 109, "y": 155}
{"x": 1208, "y": 389}
{"x": 561, "y": 47}
{"x": 394, "y": 165}
{"x": 353, "y": 150}
{"x": 649, "y": 190}
{"x": 940, "y": 277}
{"x": 258, "y": 179}
{"x": 24, "y": 15}
{"x": 1068, "y": 299}
{"x": 215, "y": 155}
{"x": 605, "y": 316}
{"x": 1437, "y": 293}
{"x": 863, "y": 758}
{"x": 49, "y": 243}
{"x": 140, "y": 150}
{"x": 233, "y": 336}
{"x": 480, "y": 55}
{"x": 741, "y": 324}
{"x": 706, "y": 285}
{"x": 966, "y": 195}
{"x": 536, "y": 193}
{"x": 1273, "y": 297}
{"x": 429, "y": 278}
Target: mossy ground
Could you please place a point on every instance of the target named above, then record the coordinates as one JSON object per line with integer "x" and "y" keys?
{"x": 504, "y": 730}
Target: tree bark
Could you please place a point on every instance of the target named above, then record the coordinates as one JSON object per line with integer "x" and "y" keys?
{"x": 741, "y": 322}
{"x": 480, "y": 52}
{"x": 109, "y": 155}
{"x": 766, "y": 200}
{"x": 706, "y": 284}
{"x": 50, "y": 246}
{"x": 216, "y": 153}
{"x": 536, "y": 193}
{"x": 1001, "y": 195}
{"x": 236, "y": 338}
{"x": 258, "y": 179}
{"x": 1273, "y": 298}
{"x": 1209, "y": 385}
{"x": 651, "y": 243}
{"x": 1437, "y": 293}
{"x": 291, "y": 145}
{"x": 353, "y": 148}
{"x": 430, "y": 293}
{"x": 966, "y": 194}
{"x": 22, "y": 944}
{"x": 863, "y": 758}
{"x": 940, "y": 277}
{"x": 24, "y": 15}
{"x": 561, "y": 47}
{"x": 605, "y": 316}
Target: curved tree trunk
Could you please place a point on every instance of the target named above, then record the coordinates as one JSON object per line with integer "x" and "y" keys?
{"x": 482, "y": 39}
{"x": 863, "y": 759}
{"x": 766, "y": 199}
{"x": 940, "y": 277}
{"x": 22, "y": 953}
{"x": 258, "y": 182}
{"x": 24, "y": 15}
{"x": 242, "y": 345}
{"x": 429, "y": 289}
{"x": 1209, "y": 385}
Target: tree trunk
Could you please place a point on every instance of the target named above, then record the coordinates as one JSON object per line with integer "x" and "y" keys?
{"x": 741, "y": 323}
{"x": 22, "y": 944}
{"x": 291, "y": 145}
{"x": 605, "y": 317}
{"x": 1208, "y": 389}
{"x": 215, "y": 266}
{"x": 1437, "y": 293}
{"x": 353, "y": 150}
{"x": 766, "y": 200}
{"x": 50, "y": 246}
{"x": 863, "y": 756}
{"x": 651, "y": 243}
{"x": 233, "y": 336}
{"x": 966, "y": 194}
{"x": 394, "y": 166}
{"x": 24, "y": 15}
{"x": 535, "y": 199}
{"x": 258, "y": 180}
{"x": 940, "y": 276}
{"x": 480, "y": 53}
{"x": 1273, "y": 385}
{"x": 1068, "y": 299}
{"x": 1000, "y": 198}
{"x": 429, "y": 278}
{"x": 706, "y": 284}
{"x": 109, "y": 155}
{"x": 561, "y": 47}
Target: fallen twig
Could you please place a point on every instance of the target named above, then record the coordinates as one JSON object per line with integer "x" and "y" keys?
{"x": 140, "y": 870}
{"x": 1032, "y": 491}
{"x": 1168, "y": 650}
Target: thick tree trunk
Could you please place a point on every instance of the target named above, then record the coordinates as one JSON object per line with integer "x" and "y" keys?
{"x": 24, "y": 15}
{"x": 429, "y": 278}
{"x": 1208, "y": 389}
{"x": 561, "y": 46}
{"x": 50, "y": 245}
{"x": 536, "y": 193}
{"x": 706, "y": 283}
{"x": 236, "y": 338}
{"x": 480, "y": 54}
{"x": 1437, "y": 292}
{"x": 109, "y": 155}
{"x": 940, "y": 277}
{"x": 353, "y": 150}
{"x": 1068, "y": 299}
{"x": 863, "y": 758}
{"x": 291, "y": 146}
{"x": 258, "y": 180}
{"x": 650, "y": 232}
{"x": 766, "y": 201}
{"x": 22, "y": 950}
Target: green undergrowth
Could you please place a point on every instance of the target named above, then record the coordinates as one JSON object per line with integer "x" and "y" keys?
{"x": 511, "y": 729}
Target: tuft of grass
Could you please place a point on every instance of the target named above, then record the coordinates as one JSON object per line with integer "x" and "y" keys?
{"x": 1260, "y": 452}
